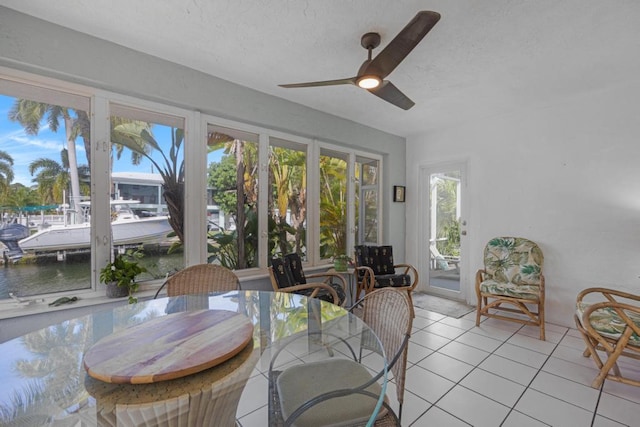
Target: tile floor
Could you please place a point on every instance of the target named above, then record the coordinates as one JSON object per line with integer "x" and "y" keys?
{"x": 498, "y": 374}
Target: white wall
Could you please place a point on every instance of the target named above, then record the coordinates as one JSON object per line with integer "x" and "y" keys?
{"x": 564, "y": 174}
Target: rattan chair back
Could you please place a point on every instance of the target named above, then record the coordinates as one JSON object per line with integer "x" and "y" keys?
{"x": 389, "y": 314}
{"x": 202, "y": 278}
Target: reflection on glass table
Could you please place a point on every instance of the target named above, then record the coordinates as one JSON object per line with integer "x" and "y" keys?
{"x": 44, "y": 381}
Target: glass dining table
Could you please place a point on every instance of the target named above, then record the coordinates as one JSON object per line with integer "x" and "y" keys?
{"x": 173, "y": 361}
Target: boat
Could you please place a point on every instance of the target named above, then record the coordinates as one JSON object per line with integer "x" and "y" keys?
{"x": 10, "y": 233}
{"x": 127, "y": 229}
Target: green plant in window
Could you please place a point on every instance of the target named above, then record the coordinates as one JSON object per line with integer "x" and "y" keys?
{"x": 451, "y": 232}
{"x": 234, "y": 175}
{"x": 333, "y": 206}
{"x": 123, "y": 271}
{"x": 223, "y": 245}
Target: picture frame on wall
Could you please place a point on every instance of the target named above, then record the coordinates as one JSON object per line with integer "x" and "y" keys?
{"x": 398, "y": 193}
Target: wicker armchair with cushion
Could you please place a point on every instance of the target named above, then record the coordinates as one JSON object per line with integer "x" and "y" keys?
{"x": 512, "y": 275}
{"x": 376, "y": 269}
{"x": 287, "y": 275}
{"x": 200, "y": 278}
{"x": 609, "y": 321}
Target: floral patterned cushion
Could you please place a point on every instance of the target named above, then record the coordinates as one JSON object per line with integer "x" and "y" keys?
{"x": 495, "y": 287}
{"x": 608, "y": 323}
{"x": 513, "y": 267}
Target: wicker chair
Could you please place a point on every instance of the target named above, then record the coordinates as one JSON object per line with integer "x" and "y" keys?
{"x": 201, "y": 278}
{"x": 388, "y": 313}
{"x": 287, "y": 275}
{"x": 609, "y": 321}
{"x": 512, "y": 275}
{"x": 376, "y": 269}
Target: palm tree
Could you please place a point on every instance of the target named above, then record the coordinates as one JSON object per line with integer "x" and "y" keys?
{"x": 19, "y": 196}
{"x": 6, "y": 173}
{"x": 333, "y": 206}
{"x": 132, "y": 136}
{"x": 287, "y": 172}
{"x": 246, "y": 194}
{"x": 53, "y": 177}
{"x": 30, "y": 115}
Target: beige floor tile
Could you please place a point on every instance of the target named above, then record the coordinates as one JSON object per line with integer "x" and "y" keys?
{"x": 464, "y": 353}
{"x": 552, "y": 411}
{"x": 493, "y": 386}
{"x": 446, "y": 366}
{"x": 426, "y": 384}
{"x": 437, "y": 417}
{"x": 567, "y": 390}
{"x": 518, "y": 419}
{"x": 473, "y": 408}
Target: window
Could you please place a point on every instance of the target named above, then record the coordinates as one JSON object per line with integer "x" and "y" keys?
{"x": 366, "y": 201}
{"x": 232, "y": 179}
{"x": 119, "y": 183}
{"x": 147, "y": 147}
{"x": 333, "y": 203}
{"x": 288, "y": 198}
{"x": 44, "y": 190}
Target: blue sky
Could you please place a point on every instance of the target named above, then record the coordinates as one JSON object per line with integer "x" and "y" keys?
{"x": 26, "y": 148}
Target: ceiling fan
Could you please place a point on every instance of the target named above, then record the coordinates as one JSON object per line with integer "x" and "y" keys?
{"x": 373, "y": 71}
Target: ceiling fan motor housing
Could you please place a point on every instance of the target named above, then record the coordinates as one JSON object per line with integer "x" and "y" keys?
{"x": 370, "y": 41}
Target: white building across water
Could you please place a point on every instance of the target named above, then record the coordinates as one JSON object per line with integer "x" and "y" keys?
{"x": 147, "y": 189}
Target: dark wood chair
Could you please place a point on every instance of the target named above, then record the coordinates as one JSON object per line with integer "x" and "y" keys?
{"x": 376, "y": 269}
{"x": 287, "y": 275}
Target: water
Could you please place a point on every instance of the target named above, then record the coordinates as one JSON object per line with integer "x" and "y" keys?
{"x": 74, "y": 274}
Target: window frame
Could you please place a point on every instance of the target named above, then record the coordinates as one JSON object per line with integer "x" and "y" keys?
{"x": 195, "y": 156}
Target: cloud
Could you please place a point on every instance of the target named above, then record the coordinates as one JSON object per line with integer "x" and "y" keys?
{"x": 25, "y": 148}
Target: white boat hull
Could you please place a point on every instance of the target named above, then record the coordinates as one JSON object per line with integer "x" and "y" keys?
{"x": 143, "y": 230}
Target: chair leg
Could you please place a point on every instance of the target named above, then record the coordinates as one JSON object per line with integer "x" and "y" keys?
{"x": 413, "y": 311}
{"x": 612, "y": 359}
{"x": 541, "y": 320}
{"x": 478, "y": 308}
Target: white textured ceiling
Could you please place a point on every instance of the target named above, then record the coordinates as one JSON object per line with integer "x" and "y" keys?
{"x": 482, "y": 59}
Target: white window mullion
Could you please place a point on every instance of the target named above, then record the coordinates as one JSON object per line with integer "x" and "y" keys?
{"x": 313, "y": 203}
{"x": 195, "y": 192}
{"x": 351, "y": 203}
{"x": 100, "y": 186}
{"x": 263, "y": 199}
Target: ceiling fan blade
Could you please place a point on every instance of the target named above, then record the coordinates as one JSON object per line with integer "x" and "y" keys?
{"x": 389, "y": 58}
{"x": 350, "y": 80}
{"x": 392, "y": 94}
